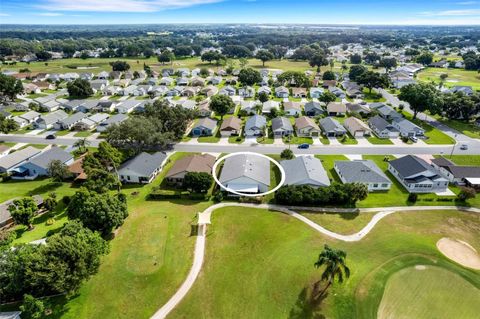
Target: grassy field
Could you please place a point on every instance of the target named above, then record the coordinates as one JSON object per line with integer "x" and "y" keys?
{"x": 342, "y": 223}
{"x": 298, "y": 140}
{"x": 264, "y": 269}
{"x": 455, "y": 77}
{"x": 429, "y": 293}
{"x": 379, "y": 141}
{"x": 469, "y": 129}
{"x": 435, "y": 136}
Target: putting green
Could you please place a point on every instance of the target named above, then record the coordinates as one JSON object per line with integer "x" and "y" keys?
{"x": 429, "y": 292}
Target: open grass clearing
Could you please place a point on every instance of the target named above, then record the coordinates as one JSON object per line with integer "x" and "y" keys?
{"x": 435, "y": 136}
{"x": 341, "y": 223}
{"x": 455, "y": 77}
{"x": 270, "y": 264}
{"x": 429, "y": 292}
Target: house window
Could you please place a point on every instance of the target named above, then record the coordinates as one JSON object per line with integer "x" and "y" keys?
{"x": 128, "y": 177}
{"x": 375, "y": 185}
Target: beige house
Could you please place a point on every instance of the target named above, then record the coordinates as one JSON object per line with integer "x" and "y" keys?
{"x": 231, "y": 126}
{"x": 195, "y": 163}
{"x": 357, "y": 127}
{"x": 306, "y": 126}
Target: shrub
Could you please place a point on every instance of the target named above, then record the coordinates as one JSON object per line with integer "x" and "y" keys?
{"x": 412, "y": 198}
{"x": 218, "y": 197}
{"x": 66, "y": 200}
{"x": 466, "y": 193}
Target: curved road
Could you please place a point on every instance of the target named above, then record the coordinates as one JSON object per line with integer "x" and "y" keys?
{"x": 204, "y": 219}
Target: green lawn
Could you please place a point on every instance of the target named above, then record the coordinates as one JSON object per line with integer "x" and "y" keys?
{"x": 429, "y": 293}
{"x": 455, "y": 77}
{"x": 236, "y": 139}
{"x": 298, "y": 140}
{"x": 342, "y": 223}
{"x": 379, "y": 141}
{"x": 62, "y": 132}
{"x": 265, "y": 140}
{"x": 324, "y": 140}
{"x": 435, "y": 136}
{"x": 469, "y": 129}
{"x": 469, "y": 160}
{"x": 83, "y": 134}
{"x": 208, "y": 139}
{"x": 259, "y": 264}
{"x": 328, "y": 162}
{"x": 347, "y": 140}
{"x": 372, "y": 96}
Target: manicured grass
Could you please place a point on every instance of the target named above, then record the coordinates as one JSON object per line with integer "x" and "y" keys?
{"x": 39, "y": 146}
{"x": 435, "y": 136}
{"x": 36, "y": 95}
{"x": 265, "y": 140}
{"x": 41, "y": 186}
{"x": 372, "y": 96}
{"x": 347, "y": 140}
{"x": 342, "y": 223}
{"x": 470, "y": 160}
{"x": 324, "y": 140}
{"x": 83, "y": 134}
{"x": 236, "y": 139}
{"x": 298, "y": 140}
{"x": 208, "y": 139}
{"x": 62, "y": 132}
{"x": 429, "y": 293}
{"x": 469, "y": 129}
{"x": 455, "y": 77}
{"x": 259, "y": 264}
{"x": 379, "y": 141}
{"x": 328, "y": 163}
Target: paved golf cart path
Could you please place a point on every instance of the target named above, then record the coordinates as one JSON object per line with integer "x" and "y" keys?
{"x": 204, "y": 220}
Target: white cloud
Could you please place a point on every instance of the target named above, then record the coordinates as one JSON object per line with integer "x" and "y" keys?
{"x": 4, "y": 14}
{"x": 49, "y": 14}
{"x": 467, "y": 3}
{"x": 449, "y": 13}
{"x": 120, "y": 5}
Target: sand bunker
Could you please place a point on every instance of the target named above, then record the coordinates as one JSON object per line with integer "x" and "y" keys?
{"x": 460, "y": 252}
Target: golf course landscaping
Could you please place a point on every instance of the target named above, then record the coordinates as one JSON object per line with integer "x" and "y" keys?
{"x": 259, "y": 264}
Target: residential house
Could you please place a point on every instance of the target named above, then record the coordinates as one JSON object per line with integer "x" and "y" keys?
{"x": 269, "y": 105}
{"x": 4, "y": 150}
{"x": 281, "y": 126}
{"x": 127, "y": 106}
{"x": 467, "y": 90}
{"x": 72, "y": 105}
{"x": 190, "y": 164}
{"x": 246, "y": 92}
{"x": 457, "y": 174}
{"x": 30, "y": 116}
{"x": 282, "y": 92}
{"x": 227, "y": 90}
{"x": 255, "y": 126}
{"x": 357, "y": 127}
{"x": 356, "y": 108}
{"x": 416, "y": 175}
{"x": 167, "y": 81}
{"x": 106, "y": 106}
{"x": 204, "y": 127}
{"x": 30, "y": 88}
{"x": 305, "y": 170}
{"x": 190, "y": 91}
{"x": 183, "y": 81}
{"x": 103, "y": 75}
{"x": 198, "y": 82}
{"x": 331, "y": 127}
{"x": 313, "y": 108}
{"x": 209, "y": 91}
{"x": 98, "y": 85}
{"x": 249, "y": 107}
{"x": 246, "y": 173}
{"x": 203, "y": 108}
{"x": 38, "y": 165}
{"x": 292, "y": 108}
{"x": 315, "y": 92}
{"x": 48, "y": 120}
{"x": 336, "y": 109}
{"x": 187, "y": 104}
{"x": 299, "y": 92}
{"x": 89, "y": 123}
{"x": 113, "y": 120}
{"x": 407, "y": 128}
{"x": 215, "y": 80}
{"x": 265, "y": 89}
{"x": 69, "y": 122}
{"x": 12, "y": 160}
{"x": 176, "y": 91}
{"x": 338, "y": 92}
{"x": 231, "y": 126}
{"x": 329, "y": 84}
{"x": 388, "y": 113}
{"x": 364, "y": 172}
{"x": 306, "y": 126}
{"x": 143, "y": 168}
{"x": 382, "y": 128}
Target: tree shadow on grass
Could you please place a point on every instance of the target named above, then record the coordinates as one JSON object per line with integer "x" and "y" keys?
{"x": 306, "y": 306}
{"x": 47, "y": 188}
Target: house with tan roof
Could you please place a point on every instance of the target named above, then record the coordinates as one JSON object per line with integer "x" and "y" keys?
{"x": 306, "y": 126}
{"x": 299, "y": 92}
{"x": 191, "y": 164}
{"x": 231, "y": 126}
{"x": 336, "y": 109}
{"x": 292, "y": 108}
{"x": 357, "y": 127}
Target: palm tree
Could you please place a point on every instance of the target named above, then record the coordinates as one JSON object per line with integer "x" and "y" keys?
{"x": 334, "y": 262}
{"x": 82, "y": 144}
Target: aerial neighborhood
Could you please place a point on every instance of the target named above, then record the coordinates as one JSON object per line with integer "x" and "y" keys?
{"x": 146, "y": 170}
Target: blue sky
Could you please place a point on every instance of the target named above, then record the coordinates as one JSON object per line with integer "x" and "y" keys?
{"x": 405, "y": 12}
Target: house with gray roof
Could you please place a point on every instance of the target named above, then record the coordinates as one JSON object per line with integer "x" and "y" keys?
{"x": 12, "y": 160}
{"x": 331, "y": 127}
{"x": 249, "y": 107}
{"x": 38, "y": 165}
{"x": 416, "y": 175}
{"x": 72, "y": 105}
{"x": 255, "y": 126}
{"x": 313, "y": 108}
{"x": 305, "y": 170}
{"x": 407, "y": 128}
{"x": 143, "y": 168}
{"x": 48, "y": 120}
{"x": 282, "y": 92}
{"x": 30, "y": 116}
{"x": 281, "y": 126}
{"x": 114, "y": 119}
{"x": 315, "y": 92}
{"x": 364, "y": 172}
{"x": 127, "y": 106}
{"x": 382, "y": 128}
{"x": 204, "y": 127}
{"x": 388, "y": 113}
{"x": 69, "y": 122}
{"x": 247, "y": 92}
{"x": 457, "y": 174}
{"x": 246, "y": 173}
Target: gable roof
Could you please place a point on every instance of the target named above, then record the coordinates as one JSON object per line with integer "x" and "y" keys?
{"x": 206, "y": 122}
{"x": 254, "y": 167}
{"x": 380, "y": 124}
{"x": 355, "y": 124}
{"x": 231, "y": 122}
{"x": 305, "y": 170}
{"x": 329, "y": 124}
{"x": 55, "y": 153}
{"x": 281, "y": 123}
{"x": 410, "y": 165}
{"x": 304, "y": 121}
{"x": 361, "y": 171}
{"x": 194, "y": 163}
{"x": 336, "y": 107}
{"x": 144, "y": 164}
{"x": 11, "y": 160}
{"x": 256, "y": 121}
